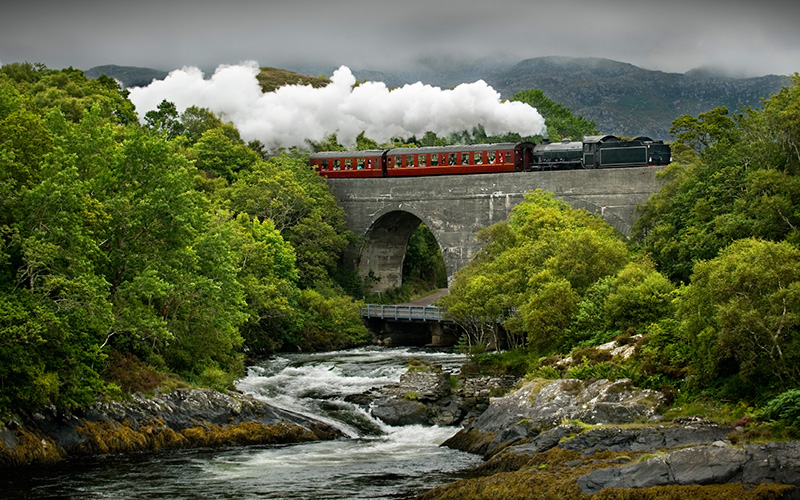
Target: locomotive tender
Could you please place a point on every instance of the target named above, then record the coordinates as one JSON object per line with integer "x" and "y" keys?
{"x": 606, "y": 151}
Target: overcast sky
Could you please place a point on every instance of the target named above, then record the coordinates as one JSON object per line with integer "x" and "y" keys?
{"x": 752, "y": 38}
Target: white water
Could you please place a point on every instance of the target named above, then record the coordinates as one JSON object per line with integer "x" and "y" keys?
{"x": 375, "y": 462}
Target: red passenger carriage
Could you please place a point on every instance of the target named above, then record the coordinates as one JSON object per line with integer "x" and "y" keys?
{"x": 434, "y": 160}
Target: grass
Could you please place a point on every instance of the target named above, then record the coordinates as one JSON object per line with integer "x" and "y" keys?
{"x": 272, "y": 78}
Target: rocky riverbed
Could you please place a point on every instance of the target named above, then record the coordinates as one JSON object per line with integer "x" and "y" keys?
{"x": 179, "y": 419}
{"x": 429, "y": 395}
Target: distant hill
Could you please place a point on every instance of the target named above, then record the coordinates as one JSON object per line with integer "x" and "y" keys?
{"x": 130, "y": 76}
{"x": 621, "y": 98}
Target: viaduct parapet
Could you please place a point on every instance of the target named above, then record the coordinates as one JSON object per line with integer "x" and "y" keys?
{"x": 385, "y": 211}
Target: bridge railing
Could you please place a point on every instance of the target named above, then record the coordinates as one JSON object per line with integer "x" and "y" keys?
{"x": 404, "y": 313}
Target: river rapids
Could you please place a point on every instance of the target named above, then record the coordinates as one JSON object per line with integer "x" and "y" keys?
{"x": 375, "y": 461}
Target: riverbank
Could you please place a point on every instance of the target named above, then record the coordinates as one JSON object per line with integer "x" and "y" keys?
{"x": 571, "y": 439}
{"x": 186, "y": 418}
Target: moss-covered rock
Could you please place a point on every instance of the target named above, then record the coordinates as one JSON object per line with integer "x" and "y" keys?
{"x": 184, "y": 418}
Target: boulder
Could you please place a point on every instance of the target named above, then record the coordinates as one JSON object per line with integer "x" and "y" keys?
{"x": 541, "y": 404}
{"x": 649, "y": 438}
{"x": 716, "y": 463}
{"x": 424, "y": 395}
{"x": 399, "y": 411}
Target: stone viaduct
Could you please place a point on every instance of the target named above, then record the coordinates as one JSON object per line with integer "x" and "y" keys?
{"x": 385, "y": 211}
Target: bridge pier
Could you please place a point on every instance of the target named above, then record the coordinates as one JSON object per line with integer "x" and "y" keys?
{"x": 397, "y": 333}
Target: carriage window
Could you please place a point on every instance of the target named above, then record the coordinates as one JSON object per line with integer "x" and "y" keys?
{"x": 360, "y": 164}
{"x": 369, "y": 163}
{"x": 336, "y": 164}
{"x": 479, "y": 157}
{"x": 508, "y": 156}
{"x": 434, "y": 160}
{"x": 465, "y": 160}
{"x": 410, "y": 160}
{"x": 421, "y": 160}
{"x": 348, "y": 164}
{"x": 323, "y": 164}
{"x": 453, "y": 159}
{"x": 490, "y": 157}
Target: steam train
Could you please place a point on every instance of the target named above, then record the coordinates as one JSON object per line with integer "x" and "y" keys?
{"x": 606, "y": 151}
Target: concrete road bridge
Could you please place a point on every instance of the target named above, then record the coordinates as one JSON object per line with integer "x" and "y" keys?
{"x": 385, "y": 211}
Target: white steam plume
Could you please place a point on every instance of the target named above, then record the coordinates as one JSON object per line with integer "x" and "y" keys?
{"x": 293, "y": 114}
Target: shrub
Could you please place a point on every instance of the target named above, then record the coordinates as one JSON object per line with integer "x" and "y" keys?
{"x": 786, "y": 408}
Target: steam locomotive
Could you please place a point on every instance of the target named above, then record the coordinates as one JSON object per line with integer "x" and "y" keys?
{"x": 606, "y": 151}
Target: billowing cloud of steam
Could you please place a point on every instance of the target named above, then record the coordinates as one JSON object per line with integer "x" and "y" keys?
{"x": 293, "y": 114}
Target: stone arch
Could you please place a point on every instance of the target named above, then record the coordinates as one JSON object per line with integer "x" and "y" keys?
{"x": 382, "y": 255}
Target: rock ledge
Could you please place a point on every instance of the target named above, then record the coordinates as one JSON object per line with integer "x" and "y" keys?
{"x": 179, "y": 419}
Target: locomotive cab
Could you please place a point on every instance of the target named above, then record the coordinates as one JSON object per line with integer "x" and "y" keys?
{"x": 592, "y": 149}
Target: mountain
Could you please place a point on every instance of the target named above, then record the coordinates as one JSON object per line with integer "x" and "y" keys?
{"x": 624, "y": 99}
{"x": 621, "y": 98}
{"x": 129, "y": 76}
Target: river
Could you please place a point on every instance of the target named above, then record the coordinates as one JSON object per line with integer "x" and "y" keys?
{"x": 376, "y": 461}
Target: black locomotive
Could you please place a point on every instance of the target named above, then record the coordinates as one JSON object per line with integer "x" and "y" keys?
{"x": 600, "y": 151}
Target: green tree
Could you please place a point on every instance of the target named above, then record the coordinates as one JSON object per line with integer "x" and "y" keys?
{"x": 423, "y": 261}
{"x": 196, "y": 121}
{"x": 533, "y": 270}
{"x": 165, "y": 119}
{"x": 56, "y": 312}
{"x": 219, "y": 154}
{"x": 477, "y": 307}
{"x": 736, "y": 178}
{"x": 266, "y": 270}
{"x": 287, "y": 191}
{"x": 741, "y": 315}
{"x": 638, "y": 296}
{"x": 330, "y": 322}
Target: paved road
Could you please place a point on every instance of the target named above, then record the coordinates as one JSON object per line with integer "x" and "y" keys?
{"x": 429, "y": 299}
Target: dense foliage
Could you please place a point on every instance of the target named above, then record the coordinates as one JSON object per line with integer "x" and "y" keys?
{"x": 736, "y": 177}
{"x": 171, "y": 246}
{"x": 710, "y": 281}
{"x": 546, "y": 268}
